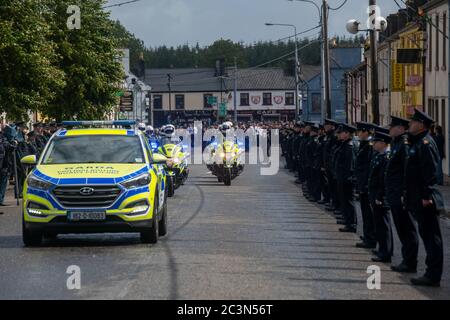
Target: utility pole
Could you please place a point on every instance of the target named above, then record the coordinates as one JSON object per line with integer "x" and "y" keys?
{"x": 297, "y": 77}
{"x": 169, "y": 79}
{"x": 373, "y": 62}
{"x": 235, "y": 91}
{"x": 326, "y": 58}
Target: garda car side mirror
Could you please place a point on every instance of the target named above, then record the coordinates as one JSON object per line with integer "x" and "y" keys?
{"x": 159, "y": 158}
{"x": 29, "y": 160}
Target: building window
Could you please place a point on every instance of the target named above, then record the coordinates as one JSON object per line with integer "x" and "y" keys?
{"x": 444, "y": 42}
{"x": 157, "y": 101}
{"x": 245, "y": 99}
{"x": 267, "y": 99}
{"x": 430, "y": 46}
{"x": 206, "y": 105}
{"x": 290, "y": 98}
{"x": 316, "y": 105}
{"x": 179, "y": 101}
{"x": 437, "y": 41}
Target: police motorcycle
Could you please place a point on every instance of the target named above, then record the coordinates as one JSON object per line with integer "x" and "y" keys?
{"x": 176, "y": 168}
{"x": 227, "y": 161}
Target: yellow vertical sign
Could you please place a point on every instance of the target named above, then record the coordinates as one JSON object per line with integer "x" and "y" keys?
{"x": 397, "y": 77}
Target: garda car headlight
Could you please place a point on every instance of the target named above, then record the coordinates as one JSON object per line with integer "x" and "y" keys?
{"x": 34, "y": 182}
{"x": 140, "y": 181}
{"x": 139, "y": 207}
{"x": 35, "y": 209}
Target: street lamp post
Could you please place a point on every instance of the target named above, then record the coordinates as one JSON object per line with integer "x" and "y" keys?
{"x": 376, "y": 24}
{"x": 297, "y": 65}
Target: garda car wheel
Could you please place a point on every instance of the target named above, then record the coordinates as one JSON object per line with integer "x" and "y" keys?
{"x": 151, "y": 234}
{"x": 163, "y": 222}
{"x": 170, "y": 186}
{"x": 31, "y": 238}
{"x": 227, "y": 177}
{"x": 51, "y": 235}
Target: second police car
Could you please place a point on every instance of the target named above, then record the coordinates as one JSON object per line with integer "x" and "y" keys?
{"x": 95, "y": 180}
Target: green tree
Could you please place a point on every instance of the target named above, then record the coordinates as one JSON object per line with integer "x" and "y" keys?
{"x": 226, "y": 49}
{"x": 28, "y": 75}
{"x": 88, "y": 58}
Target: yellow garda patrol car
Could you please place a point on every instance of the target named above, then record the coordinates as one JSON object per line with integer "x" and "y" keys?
{"x": 95, "y": 180}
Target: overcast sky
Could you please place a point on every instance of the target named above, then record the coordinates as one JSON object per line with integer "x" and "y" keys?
{"x": 177, "y": 22}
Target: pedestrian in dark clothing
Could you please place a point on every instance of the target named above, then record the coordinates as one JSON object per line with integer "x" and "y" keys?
{"x": 314, "y": 164}
{"x": 330, "y": 144}
{"x": 377, "y": 198}
{"x": 343, "y": 171}
{"x": 420, "y": 180}
{"x": 362, "y": 168}
{"x": 439, "y": 138}
{"x": 394, "y": 181}
{"x": 329, "y": 141}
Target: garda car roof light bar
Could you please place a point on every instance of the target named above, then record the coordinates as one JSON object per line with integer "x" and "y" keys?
{"x": 100, "y": 123}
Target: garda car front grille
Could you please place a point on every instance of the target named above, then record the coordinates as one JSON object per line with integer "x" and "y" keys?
{"x": 86, "y": 196}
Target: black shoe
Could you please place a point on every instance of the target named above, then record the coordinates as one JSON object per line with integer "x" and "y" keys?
{"x": 365, "y": 245}
{"x": 348, "y": 229}
{"x": 375, "y": 252}
{"x": 321, "y": 202}
{"x": 404, "y": 268}
{"x": 381, "y": 259}
{"x": 312, "y": 199}
{"x": 425, "y": 281}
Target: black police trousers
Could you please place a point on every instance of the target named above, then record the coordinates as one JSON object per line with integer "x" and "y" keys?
{"x": 345, "y": 192}
{"x": 314, "y": 186}
{"x": 325, "y": 186}
{"x": 383, "y": 231}
{"x": 334, "y": 194}
{"x": 369, "y": 232}
{"x": 407, "y": 233}
{"x": 430, "y": 232}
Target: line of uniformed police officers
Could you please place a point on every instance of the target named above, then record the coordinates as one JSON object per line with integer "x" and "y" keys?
{"x": 391, "y": 171}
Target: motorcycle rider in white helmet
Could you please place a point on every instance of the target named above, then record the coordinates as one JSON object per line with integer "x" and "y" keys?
{"x": 141, "y": 126}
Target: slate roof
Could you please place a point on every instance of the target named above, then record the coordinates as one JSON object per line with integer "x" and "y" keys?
{"x": 204, "y": 80}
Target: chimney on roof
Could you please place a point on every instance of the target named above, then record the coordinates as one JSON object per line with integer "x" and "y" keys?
{"x": 220, "y": 67}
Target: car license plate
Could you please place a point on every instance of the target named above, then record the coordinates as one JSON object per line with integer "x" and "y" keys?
{"x": 86, "y": 216}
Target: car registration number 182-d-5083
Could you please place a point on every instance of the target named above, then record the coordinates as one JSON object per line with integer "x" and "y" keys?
{"x": 86, "y": 216}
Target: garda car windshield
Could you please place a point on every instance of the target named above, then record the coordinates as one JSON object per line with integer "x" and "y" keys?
{"x": 94, "y": 149}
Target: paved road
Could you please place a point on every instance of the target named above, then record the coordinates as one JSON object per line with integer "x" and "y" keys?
{"x": 258, "y": 239}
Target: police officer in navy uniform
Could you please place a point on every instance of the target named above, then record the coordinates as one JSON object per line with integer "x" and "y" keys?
{"x": 343, "y": 171}
{"x": 319, "y": 161}
{"x": 420, "y": 180}
{"x": 362, "y": 165}
{"x": 377, "y": 192}
{"x": 314, "y": 160}
{"x": 303, "y": 159}
{"x": 329, "y": 141}
{"x": 394, "y": 180}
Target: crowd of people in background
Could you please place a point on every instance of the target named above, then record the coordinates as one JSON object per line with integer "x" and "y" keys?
{"x": 393, "y": 172}
{"x": 16, "y": 141}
